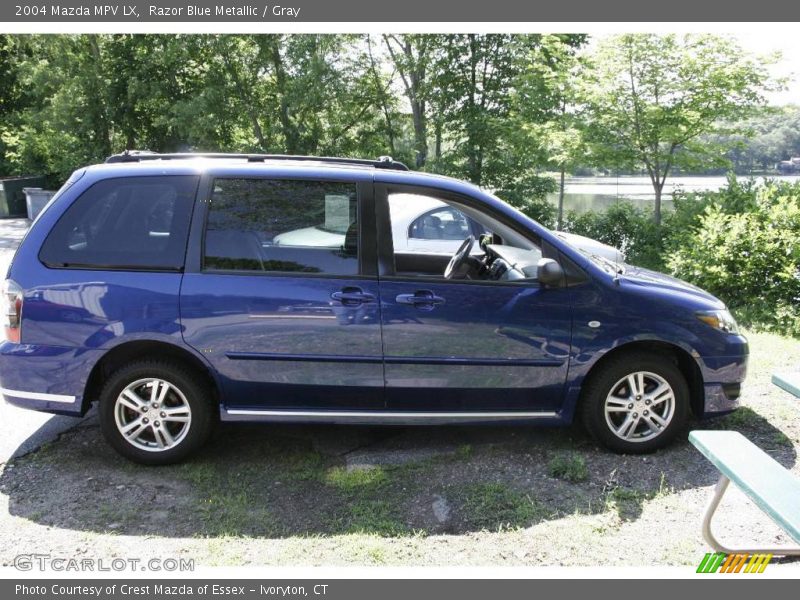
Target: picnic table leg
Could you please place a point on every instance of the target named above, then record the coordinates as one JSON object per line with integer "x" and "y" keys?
{"x": 719, "y": 491}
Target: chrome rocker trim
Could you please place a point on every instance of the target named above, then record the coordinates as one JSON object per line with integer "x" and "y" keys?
{"x": 38, "y": 396}
{"x": 366, "y": 416}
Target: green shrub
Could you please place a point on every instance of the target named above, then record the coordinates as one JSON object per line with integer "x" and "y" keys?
{"x": 688, "y": 208}
{"x": 530, "y": 197}
{"x": 745, "y": 248}
{"x": 623, "y": 226}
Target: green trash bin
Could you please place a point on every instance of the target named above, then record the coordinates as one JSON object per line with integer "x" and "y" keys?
{"x": 12, "y": 198}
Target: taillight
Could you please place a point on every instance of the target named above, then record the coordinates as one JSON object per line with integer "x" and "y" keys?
{"x": 12, "y": 310}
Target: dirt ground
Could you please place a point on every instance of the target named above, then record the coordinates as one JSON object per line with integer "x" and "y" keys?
{"x": 301, "y": 495}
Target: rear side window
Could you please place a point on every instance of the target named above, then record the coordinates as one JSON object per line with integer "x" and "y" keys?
{"x": 444, "y": 223}
{"x": 280, "y": 225}
{"x": 125, "y": 223}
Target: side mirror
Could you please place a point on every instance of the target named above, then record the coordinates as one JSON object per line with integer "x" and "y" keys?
{"x": 485, "y": 239}
{"x": 549, "y": 272}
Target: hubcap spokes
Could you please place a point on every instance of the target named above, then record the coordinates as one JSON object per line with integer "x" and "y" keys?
{"x": 640, "y": 406}
{"x": 152, "y": 414}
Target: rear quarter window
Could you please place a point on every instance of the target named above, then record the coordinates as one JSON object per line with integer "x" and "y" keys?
{"x": 125, "y": 223}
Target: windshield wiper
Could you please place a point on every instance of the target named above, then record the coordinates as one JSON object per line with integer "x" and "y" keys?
{"x": 617, "y": 268}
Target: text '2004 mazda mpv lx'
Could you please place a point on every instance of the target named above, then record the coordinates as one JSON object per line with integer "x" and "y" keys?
{"x": 172, "y": 291}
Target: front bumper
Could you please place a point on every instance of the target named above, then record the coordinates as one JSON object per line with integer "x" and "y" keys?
{"x": 723, "y": 377}
{"x": 721, "y": 398}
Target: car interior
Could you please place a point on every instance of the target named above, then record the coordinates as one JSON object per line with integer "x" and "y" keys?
{"x": 490, "y": 250}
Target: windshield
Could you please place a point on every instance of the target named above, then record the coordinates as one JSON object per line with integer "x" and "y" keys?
{"x": 616, "y": 267}
{"x": 608, "y": 265}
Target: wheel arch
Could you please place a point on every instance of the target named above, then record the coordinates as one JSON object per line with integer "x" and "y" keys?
{"x": 131, "y": 350}
{"x": 681, "y": 357}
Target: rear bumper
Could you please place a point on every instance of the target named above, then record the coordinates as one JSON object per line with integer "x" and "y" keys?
{"x": 45, "y": 378}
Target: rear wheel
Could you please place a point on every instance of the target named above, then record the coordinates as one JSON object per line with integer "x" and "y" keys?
{"x": 155, "y": 412}
{"x": 636, "y": 403}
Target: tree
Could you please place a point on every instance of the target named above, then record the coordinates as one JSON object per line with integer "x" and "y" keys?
{"x": 545, "y": 100}
{"x": 65, "y": 121}
{"x": 473, "y": 75}
{"x": 487, "y": 89}
{"x": 651, "y": 99}
{"x": 11, "y": 94}
{"x": 411, "y": 56}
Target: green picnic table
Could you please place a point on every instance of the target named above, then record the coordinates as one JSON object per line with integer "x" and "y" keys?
{"x": 789, "y": 382}
{"x": 772, "y": 488}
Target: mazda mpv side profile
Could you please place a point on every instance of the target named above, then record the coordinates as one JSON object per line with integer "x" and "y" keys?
{"x": 166, "y": 289}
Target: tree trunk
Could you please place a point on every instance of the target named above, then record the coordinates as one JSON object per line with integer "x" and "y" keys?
{"x": 290, "y": 134}
{"x": 244, "y": 98}
{"x": 97, "y": 101}
{"x": 381, "y": 94}
{"x": 413, "y": 74}
{"x": 420, "y": 133}
{"x": 438, "y": 144}
{"x": 473, "y": 166}
{"x": 657, "y": 211}
{"x": 561, "y": 198}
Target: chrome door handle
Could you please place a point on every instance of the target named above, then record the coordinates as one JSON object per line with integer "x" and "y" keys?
{"x": 422, "y": 299}
{"x": 352, "y": 296}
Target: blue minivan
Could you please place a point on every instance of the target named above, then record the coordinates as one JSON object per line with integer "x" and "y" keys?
{"x": 176, "y": 290}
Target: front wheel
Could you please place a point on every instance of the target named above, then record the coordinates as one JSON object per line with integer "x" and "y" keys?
{"x": 155, "y": 412}
{"x": 636, "y": 403}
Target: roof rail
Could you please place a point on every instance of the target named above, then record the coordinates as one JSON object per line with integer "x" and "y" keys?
{"x": 382, "y": 162}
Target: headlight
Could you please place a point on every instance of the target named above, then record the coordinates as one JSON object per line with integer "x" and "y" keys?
{"x": 719, "y": 319}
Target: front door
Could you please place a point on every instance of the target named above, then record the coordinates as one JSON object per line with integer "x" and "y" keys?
{"x": 469, "y": 345}
{"x": 284, "y": 302}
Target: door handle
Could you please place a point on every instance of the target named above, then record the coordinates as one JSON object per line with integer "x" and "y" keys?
{"x": 421, "y": 299}
{"x": 352, "y": 296}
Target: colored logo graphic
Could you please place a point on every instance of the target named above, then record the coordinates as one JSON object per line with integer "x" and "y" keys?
{"x": 719, "y": 562}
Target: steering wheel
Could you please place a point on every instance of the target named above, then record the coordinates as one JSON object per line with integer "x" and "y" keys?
{"x": 459, "y": 257}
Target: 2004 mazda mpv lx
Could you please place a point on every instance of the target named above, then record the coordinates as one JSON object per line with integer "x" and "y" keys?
{"x": 171, "y": 290}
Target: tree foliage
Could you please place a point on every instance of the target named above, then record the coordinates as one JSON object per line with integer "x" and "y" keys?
{"x": 500, "y": 110}
{"x": 651, "y": 100}
{"x": 743, "y": 244}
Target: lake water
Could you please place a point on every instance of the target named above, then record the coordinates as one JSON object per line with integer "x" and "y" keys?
{"x": 582, "y": 194}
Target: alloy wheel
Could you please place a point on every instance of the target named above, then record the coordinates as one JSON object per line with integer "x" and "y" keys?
{"x": 640, "y": 406}
{"x": 152, "y": 414}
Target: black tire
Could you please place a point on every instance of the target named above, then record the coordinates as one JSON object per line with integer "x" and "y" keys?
{"x": 190, "y": 389}
{"x": 608, "y": 378}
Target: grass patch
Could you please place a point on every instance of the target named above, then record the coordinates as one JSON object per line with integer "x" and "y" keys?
{"x": 45, "y": 454}
{"x": 303, "y": 466}
{"x": 114, "y": 514}
{"x": 464, "y": 451}
{"x": 227, "y": 501}
{"x": 743, "y": 417}
{"x": 200, "y": 474}
{"x": 372, "y": 516}
{"x": 781, "y": 439}
{"x": 627, "y": 502}
{"x": 494, "y": 506}
{"x": 368, "y": 504}
{"x": 568, "y": 466}
{"x": 234, "y": 514}
{"x": 351, "y": 480}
